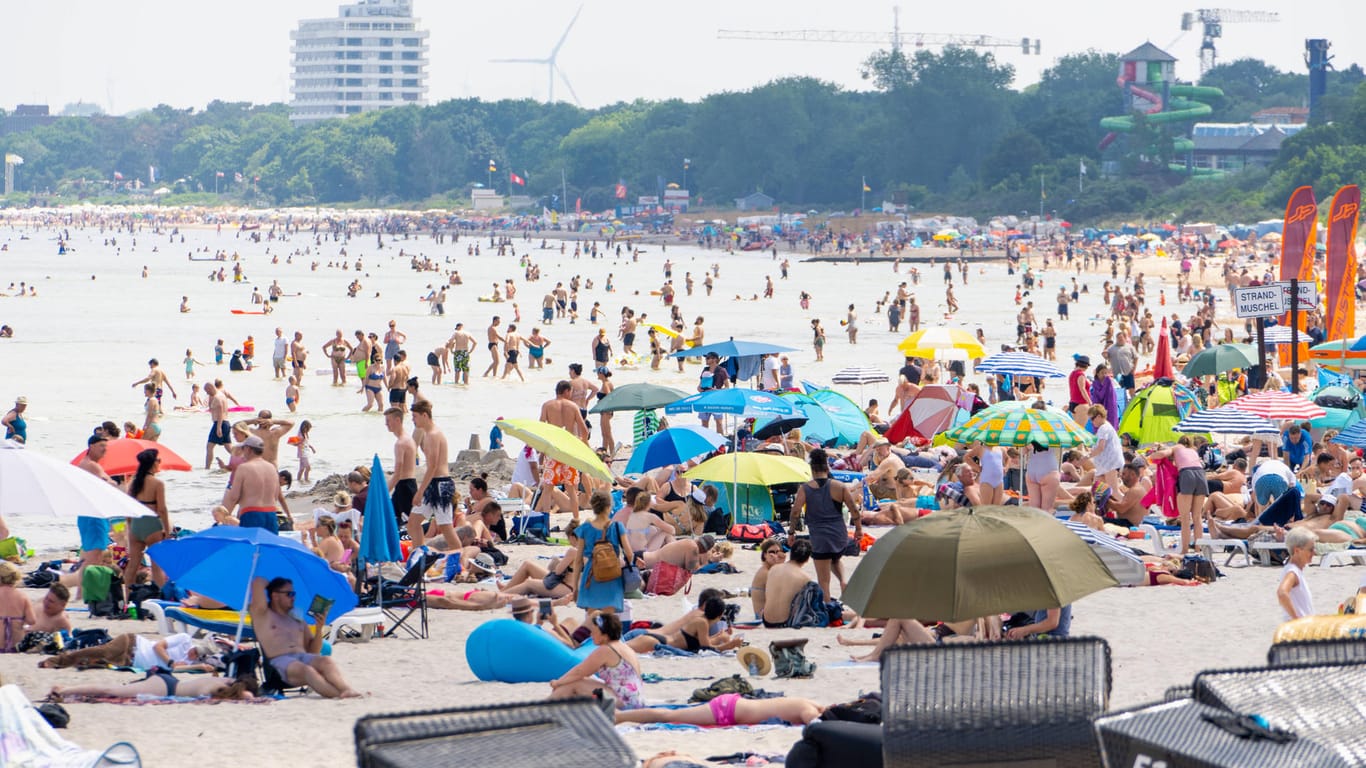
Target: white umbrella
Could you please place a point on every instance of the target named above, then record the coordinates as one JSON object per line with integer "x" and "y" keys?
{"x": 1121, "y": 561}
{"x": 34, "y": 485}
{"x": 860, "y": 375}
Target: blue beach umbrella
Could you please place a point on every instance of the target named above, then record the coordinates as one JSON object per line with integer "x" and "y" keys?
{"x": 733, "y": 402}
{"x": 221, "y": 562}
{"x": 1354, "y": 435}
{"x": 733, "y": 348}
{"x": 379, "y": 541}
{"x": 674, "y": 445}
{"x": 1020, "y": 364}
{"x": 850, "y": 421}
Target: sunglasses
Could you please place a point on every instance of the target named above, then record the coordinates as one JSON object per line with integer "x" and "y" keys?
{"x": 286, "y": 592}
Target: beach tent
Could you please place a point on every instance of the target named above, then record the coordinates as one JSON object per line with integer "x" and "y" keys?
{"x": 1342, "y": 406}
{"x": 1154, "y": 411}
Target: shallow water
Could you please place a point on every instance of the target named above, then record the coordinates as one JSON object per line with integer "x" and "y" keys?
{"x": 81, "y": 343}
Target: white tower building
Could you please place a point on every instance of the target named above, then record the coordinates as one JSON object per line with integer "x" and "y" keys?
{"x": 372, "y": 56}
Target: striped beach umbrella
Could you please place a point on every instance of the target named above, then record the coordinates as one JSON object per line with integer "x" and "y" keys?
{"x": 1020, "y": 364}
{"x": 1278, "y": 405}
{"x": 1123, "y": 564}
{"x": 1280, "y": 334}
{"x": 931, "y": 341}
{"x": 1017, "y": 423}
{"x": 1354, "y": 436}
{"x": 1226, "y": 420}
{"x": 860, "y": 375}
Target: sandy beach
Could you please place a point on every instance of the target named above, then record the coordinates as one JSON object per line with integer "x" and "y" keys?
{"x": 1159, "y": 636}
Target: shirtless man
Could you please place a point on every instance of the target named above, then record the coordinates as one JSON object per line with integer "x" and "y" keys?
{"x": 220, "y": 432}
{"x": 581, "y": 391}
{"x": 255, "y": 488}
{"x": 403, "y": 481}
{"x": 628, "y": 332}
{"x": 157, "y": 377}
{"x": 494, "y": 339}
{"x": 1130, "y": 507}
{"x": 461, "y": 345}
{"x": 270, "y": 430}
{"x": 512, "y": 348}
{"x": 397, "y": 381}
{"x": 564, "y": 413}
{"x": 337, "y": 350}
{"x": 437, "y": 489}
{"x": 784, "y": 582}
{"x": 293, "y": 646}
{"x": 299, "y": 352}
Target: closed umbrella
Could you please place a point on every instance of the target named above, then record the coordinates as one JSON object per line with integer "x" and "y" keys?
{"x": 674, "y": 445}
{"x": 1020, "y": 364}
{"x": 1225, "y": 420}
{"x": 1119, "y": 560}
{"x": 35, "y": 485}
{"x": 121, "y": 456}
{"x": 221, "y": 563}
{"x": 1278, "y": 405}
{"x": 637, "y": 397}
{"x": 558, "y": 444}
{"x": 1019, "y": 424}
{"x": 1162, "y": 361}
{"x": 379, "y": 541}
{"x": 1215, "y": 360}
{"x": 961, "y": 564}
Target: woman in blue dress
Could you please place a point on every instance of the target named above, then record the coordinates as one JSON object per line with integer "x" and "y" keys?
{"x": 601, "y": 595}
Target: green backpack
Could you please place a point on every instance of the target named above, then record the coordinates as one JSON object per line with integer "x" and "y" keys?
{"x": 789, "y": 659}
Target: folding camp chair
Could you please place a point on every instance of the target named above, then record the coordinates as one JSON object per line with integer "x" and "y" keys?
{"x": 562, "y": 733}
{"x": 405, "y": 597}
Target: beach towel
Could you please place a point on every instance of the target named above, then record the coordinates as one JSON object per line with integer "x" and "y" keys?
{"x": 1164, "y": 488}
{"x": 28, "y": 741}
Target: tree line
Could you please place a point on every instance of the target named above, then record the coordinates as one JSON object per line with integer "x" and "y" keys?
{"x": 943, "y": 130}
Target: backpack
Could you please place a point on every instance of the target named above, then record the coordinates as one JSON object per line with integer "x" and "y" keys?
{"x": 789, "y": 660}
{"x": 139, "y": 592}
{"x": 865, "y": 709}
{"x": 87, "y": 638}
{"x": 732, "y": 684}
{"x": 606, "y": 561}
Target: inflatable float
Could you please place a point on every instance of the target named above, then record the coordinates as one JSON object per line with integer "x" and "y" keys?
{"x": 246, "y": 312}
{"x": 241, "y": 409}
{"x": 1346, "y": 626}
{"x": 491, "y": 300}
{"x": 509, "y": 651}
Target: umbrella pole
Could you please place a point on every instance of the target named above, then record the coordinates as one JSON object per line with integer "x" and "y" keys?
{"x": 246, "y": 606}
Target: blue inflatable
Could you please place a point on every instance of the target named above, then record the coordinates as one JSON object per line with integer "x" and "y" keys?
{"x": 509, "y": 651}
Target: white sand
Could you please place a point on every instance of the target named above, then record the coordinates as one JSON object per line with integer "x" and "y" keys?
{"x": 1159, "y": 637}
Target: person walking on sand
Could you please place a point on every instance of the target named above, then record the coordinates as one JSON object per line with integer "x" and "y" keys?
{"x": 564, "y": 413}
{"x": 494, "y": 339}
{"x": 403, "y": 480}
{"x": 1293, "y": 592}
{"x": 823, "y": 501}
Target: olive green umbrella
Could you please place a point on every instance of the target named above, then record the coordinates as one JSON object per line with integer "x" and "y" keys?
{"x": 638, "y": 397}
{"x": 1220, "y": 358}
{"x": 962, "y": 564}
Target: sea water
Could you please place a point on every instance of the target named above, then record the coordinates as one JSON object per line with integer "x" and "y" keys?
{"x": 82, "y": 342}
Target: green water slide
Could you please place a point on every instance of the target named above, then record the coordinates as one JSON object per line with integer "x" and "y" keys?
{"x": 1188, "y": 104}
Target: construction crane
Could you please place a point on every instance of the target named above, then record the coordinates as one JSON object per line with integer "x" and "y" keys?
{"x": 897, "y": 38}
{"x": 1213, "y": 20}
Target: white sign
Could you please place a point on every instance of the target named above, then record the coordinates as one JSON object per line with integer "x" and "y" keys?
{"x": 1259, "y": 301}
{"x": 1309, "y": 293}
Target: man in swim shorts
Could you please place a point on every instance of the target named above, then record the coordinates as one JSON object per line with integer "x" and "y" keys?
{"x": 94, "y": 530}
{"x": 461, "y": 344}
{"x": 403, "y": 481}
{"x": 255, "y": 488}
{"x": 436, "y": 489}
{"x": 220, "y": 432}
{"x": 398, "y": 380}
{"x": 293, "y": 646}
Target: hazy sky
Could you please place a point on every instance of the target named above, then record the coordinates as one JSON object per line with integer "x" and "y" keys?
{"x": 134, "y": 54}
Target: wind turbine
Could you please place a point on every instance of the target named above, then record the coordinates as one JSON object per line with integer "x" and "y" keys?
{"x": 549, "y": 61}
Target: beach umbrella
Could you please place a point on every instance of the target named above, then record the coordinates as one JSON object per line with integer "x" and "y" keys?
{"x": 221, "y": 563}
{"x": 733, "y": 348}
{"x": 930, "y": 412}
{"x": 1226, "y": 420}
{"x": 1281, "y": 334}
{"x": 961, "y": 564}
{"x": 1162, "y": 361}
{"x": 1340, "y": 353}
{"x": 860, "y": 375}
{"x": 1013, "y": 422}
{"x": 928, "y": 341}
{"x": 751, "y": 469}
{"x": 733, "y": 401}
{"x": 1354, "y": 435}
{"x": 674, "y": 445}
{"x": 1020, "y": 364}
{"x": 558, "y": 444}
{"x": 121, "y": 456}
{"x": 1119, "y": 560}
{"x": 1278, "y": 405}
{"x": 779, "y": 426}
{"x": 1212, "y": 361}
{"x": 849, "y": 419}
{"x": 638, "y": 397}
{"x": 34, "y": 485}
{"x": 379, "y": 540}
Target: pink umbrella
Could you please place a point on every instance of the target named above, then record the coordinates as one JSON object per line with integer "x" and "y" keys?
{"x": 1162, "y": 363}
{"x": 1278, "y": 405}
{"x": 930, "y": 412}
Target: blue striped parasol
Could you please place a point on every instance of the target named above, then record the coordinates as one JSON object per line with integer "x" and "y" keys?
{"x": 1020, "y": 364}
{"x": 1225, "y": 420}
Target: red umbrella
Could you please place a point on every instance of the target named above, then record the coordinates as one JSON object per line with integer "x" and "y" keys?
{"x": 930, "y": 412}
{"x": 1278, "y": 405}
{"x": 121, "y": 456}
{"x": 1162, "y": 364}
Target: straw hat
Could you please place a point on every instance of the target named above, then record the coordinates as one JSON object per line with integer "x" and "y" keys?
{"x": 753, "y": 656}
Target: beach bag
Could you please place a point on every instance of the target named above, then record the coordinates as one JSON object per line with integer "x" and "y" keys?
{"x": 631, "y": 580}
{"x": 750, "y": 533}
{"x": 789, "y": 659}
{"x": 14, "y": 549}
{"x": 865, "y": 709}
{"x": 667, "y": 578}
{"x": 42, "y": 578}
{"x": 732, "y": 684}
{"x": 87, "y": 638}
{"x": 606, "y": 561}
{"x": 139, "y": 592}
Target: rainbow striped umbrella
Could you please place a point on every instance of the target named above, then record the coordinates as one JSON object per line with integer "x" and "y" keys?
{"x": 1017, "y": 423}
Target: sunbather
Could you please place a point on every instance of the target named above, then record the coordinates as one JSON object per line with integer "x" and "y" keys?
{"x": 535, "y": 580}
{"x": 912, "y": 632}
{"x": 903, "y": 509}
{"x": 730, "y": 709}
{"x": 693, "y": 635}
{"x": 690, "y": 554}
{"x": 174, "y": 652}
{"x": 793, "y": 598}
{"x": 159, "y": 682}
{"x": 645, "y": 531}
{"x": 461, "y": 599}
{"x": 1163, "y": 570}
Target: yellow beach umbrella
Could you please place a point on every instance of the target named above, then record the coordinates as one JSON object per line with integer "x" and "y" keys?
{"x": 751, "y": 469}
{"x": 924, "y": 343}
{"x": 556, "y": 443}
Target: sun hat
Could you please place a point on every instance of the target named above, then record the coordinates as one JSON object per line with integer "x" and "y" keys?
{"x": 522, "y": 605}
{"x": 752, "y": 656}
{"x": 484, "y": 562}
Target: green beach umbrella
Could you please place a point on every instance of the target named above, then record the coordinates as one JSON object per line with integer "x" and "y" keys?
{"x": 1218, "y": 359}
{"x": 963, "y": 564}
{"x": 638, "y": 397}
{"x": 1014, "y": 422}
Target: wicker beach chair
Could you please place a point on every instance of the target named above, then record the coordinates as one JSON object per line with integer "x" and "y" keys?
{"x": 556, "y": 733}
{"x": 989, "y": 703}
{"x": 1338, "y": 651}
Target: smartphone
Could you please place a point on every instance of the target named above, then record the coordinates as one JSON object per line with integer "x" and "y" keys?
{"x": 546, "y": 608}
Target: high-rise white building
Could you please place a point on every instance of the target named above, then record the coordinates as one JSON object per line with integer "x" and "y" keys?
{"x": 372, "y": 56}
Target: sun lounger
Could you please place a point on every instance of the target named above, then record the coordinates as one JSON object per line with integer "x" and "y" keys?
{"x": 1299, "y": 652}
{"x": 1345, "y": 556}
{"x": 1153, "y": 534}
{"x": 994, "y": 703}
{"x": 359, "y": 625}
{"x": 1239, "y": 546}
{"x": 554, "y": 733}
{"x": 174, "y": 618}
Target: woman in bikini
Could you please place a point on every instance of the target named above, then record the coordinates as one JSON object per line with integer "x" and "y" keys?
{"x": 730, "y": 709}
{"x": 694, "y": 635}
{"x": 148, "y": 490}
{"x": 159, "y": 682}
{"x": 555, "y": 582}
{"x": 646, "y": 531}
{"x": 151, "y": 424}
{"x": 611, "y": 667}
{"x": 16, "y": 612}
{"x": 374, "y": 381}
